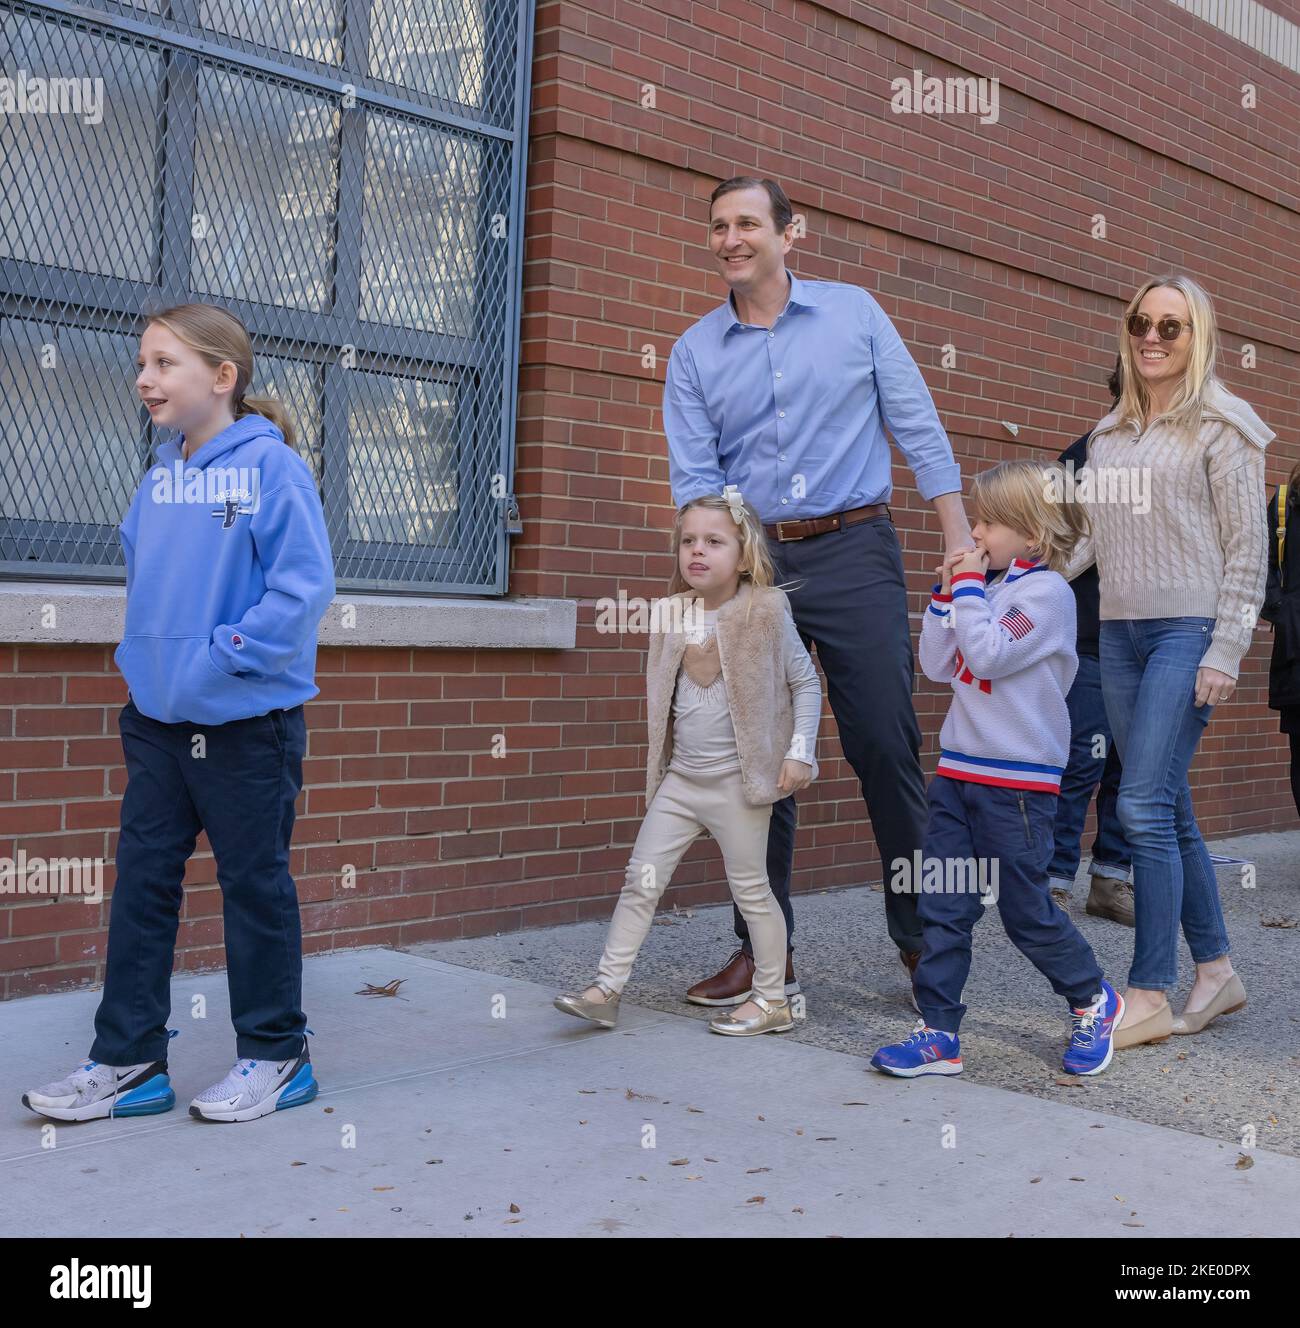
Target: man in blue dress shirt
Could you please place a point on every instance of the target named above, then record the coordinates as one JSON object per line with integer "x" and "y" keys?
{"x": 786, "y": 391}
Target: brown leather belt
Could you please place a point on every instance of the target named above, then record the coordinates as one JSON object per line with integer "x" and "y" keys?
{"x": 785, "y": 531}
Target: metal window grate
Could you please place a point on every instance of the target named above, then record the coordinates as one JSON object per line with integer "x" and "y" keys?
{"x": 344, "y": 175}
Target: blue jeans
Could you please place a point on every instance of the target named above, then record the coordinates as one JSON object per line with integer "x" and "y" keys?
{"x": 1148, "y": 671}
{"x": 1010, "y": 830}
{"x": 240, "y": 787}
{"x": 1084, "y": 773}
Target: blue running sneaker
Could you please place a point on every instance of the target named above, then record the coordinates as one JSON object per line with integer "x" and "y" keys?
{"x": 95, "y": 1091}
{"x": 257, "y": 1088}
{"x": 927, "y": 1051}
{"x": 1091, "y": 1045}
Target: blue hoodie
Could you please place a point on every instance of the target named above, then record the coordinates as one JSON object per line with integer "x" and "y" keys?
{"x": 228, "y": 574}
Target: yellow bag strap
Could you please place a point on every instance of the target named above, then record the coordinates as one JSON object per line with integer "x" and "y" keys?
{"x": 1281, "y": 526}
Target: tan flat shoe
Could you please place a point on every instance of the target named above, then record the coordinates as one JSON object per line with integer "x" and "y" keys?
{"x": 1230, "y": 998}
{"x": 604, "y": 1013}
{"x": 1156, "y": 1027}
{"x": 774, "y": 1019}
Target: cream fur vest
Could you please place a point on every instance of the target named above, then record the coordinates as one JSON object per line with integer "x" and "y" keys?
{"x": 750, "y": 635}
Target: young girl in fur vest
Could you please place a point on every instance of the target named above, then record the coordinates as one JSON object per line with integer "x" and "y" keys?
{"x": 733, "y": 707}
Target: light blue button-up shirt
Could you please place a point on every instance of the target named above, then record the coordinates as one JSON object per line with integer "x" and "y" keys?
{"x": 795, "y": 415}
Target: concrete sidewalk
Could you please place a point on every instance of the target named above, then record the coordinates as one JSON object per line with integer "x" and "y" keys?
{"x": 1242, "y": 1074}
{"x": 468, "y": 1106}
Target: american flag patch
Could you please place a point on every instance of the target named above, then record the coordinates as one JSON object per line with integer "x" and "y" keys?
{"x": 1016, "y": 622}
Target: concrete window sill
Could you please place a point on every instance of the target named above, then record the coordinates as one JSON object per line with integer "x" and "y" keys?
{"x": 60, "y": 613}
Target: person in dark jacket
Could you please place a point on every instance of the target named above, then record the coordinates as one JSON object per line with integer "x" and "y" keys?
{"x": 1094, "y": 763}
{"x": 1282, "y": 609}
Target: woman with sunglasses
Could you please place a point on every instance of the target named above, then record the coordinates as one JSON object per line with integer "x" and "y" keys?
{"x": 1180, "y": 543}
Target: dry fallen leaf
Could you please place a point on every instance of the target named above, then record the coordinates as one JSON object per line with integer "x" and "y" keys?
{"x": 757, "y": 1198}
{"x": 753, "y": 1171}
{"x": 680, "y": 1162}
{"x": 1244, "y": 1162}
{"x": 514, "y": 1208}
{"x": 1069, "y": 1080}
{"x": 1279, "y": 921}
{"x": 1035, "y": 1180}
{"x": 388, "y": 989}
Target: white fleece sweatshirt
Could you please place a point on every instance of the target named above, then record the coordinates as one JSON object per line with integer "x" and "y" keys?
{"x": 1008, "y": 651}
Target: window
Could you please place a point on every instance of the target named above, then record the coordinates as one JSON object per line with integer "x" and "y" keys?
{"x": 346, "y": 177}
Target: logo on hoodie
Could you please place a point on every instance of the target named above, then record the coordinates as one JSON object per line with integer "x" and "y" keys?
{"x": 233, "y": 504}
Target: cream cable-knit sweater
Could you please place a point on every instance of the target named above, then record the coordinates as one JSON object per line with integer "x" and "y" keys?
{"x": 1202, "y": 549}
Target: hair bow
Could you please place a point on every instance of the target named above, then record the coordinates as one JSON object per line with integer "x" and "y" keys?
{"x": 735, "y": 503}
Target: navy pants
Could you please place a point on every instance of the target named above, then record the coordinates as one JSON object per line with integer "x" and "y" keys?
{"x": 1084, "y": 774}
{"x": 1012, "y": 830}
{"x": 851, "y": 602}
{"x": 239, "y": 784}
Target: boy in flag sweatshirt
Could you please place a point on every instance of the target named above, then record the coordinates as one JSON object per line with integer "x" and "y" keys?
{"x": 1007, "y": 648}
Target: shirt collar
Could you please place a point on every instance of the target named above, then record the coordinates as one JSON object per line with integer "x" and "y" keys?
{"x": 801, "y": 296}
{"x": 1020, "y": 566}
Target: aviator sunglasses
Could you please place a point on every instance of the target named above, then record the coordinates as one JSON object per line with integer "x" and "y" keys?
{"x": 1168, "y": 329}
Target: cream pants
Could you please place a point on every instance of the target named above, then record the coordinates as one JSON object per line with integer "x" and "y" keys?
{"x": 683, "y": 807}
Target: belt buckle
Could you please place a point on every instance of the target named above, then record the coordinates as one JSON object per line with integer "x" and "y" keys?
{"x": 781, "y": 536}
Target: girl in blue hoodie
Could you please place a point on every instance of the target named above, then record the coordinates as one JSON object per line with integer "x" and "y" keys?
{"x": 228, "y": 574}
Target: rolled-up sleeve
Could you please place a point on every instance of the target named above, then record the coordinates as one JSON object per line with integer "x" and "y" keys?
{"x": 908, "y": 409}
{"x": 693, "y": 468}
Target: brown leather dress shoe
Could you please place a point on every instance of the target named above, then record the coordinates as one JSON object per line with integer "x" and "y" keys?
{"x": 732, "y": 984}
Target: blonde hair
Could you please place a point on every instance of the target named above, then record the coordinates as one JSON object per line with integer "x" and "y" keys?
{"x": 1031, "y": 498}
{"x": 217, "y": 336}
{"x": 1188, "y": 404}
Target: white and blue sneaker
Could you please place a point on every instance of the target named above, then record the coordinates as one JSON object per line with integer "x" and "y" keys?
{"x": 1092, "y": 1033}
{"x": 257, "y": 1088}
{"x": 94, "y": 1091}
{"x": 926, "y": 1051}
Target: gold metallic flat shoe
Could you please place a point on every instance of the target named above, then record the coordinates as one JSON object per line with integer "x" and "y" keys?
{"x": 604, "y": 1013}
{"x": 1227, "y": 1000}
{"x": 1156, "y": 1027}
{"x": 774, "y": 1019}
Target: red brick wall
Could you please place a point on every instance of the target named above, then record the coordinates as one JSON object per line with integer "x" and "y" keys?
{"x": 970, "y": 235}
